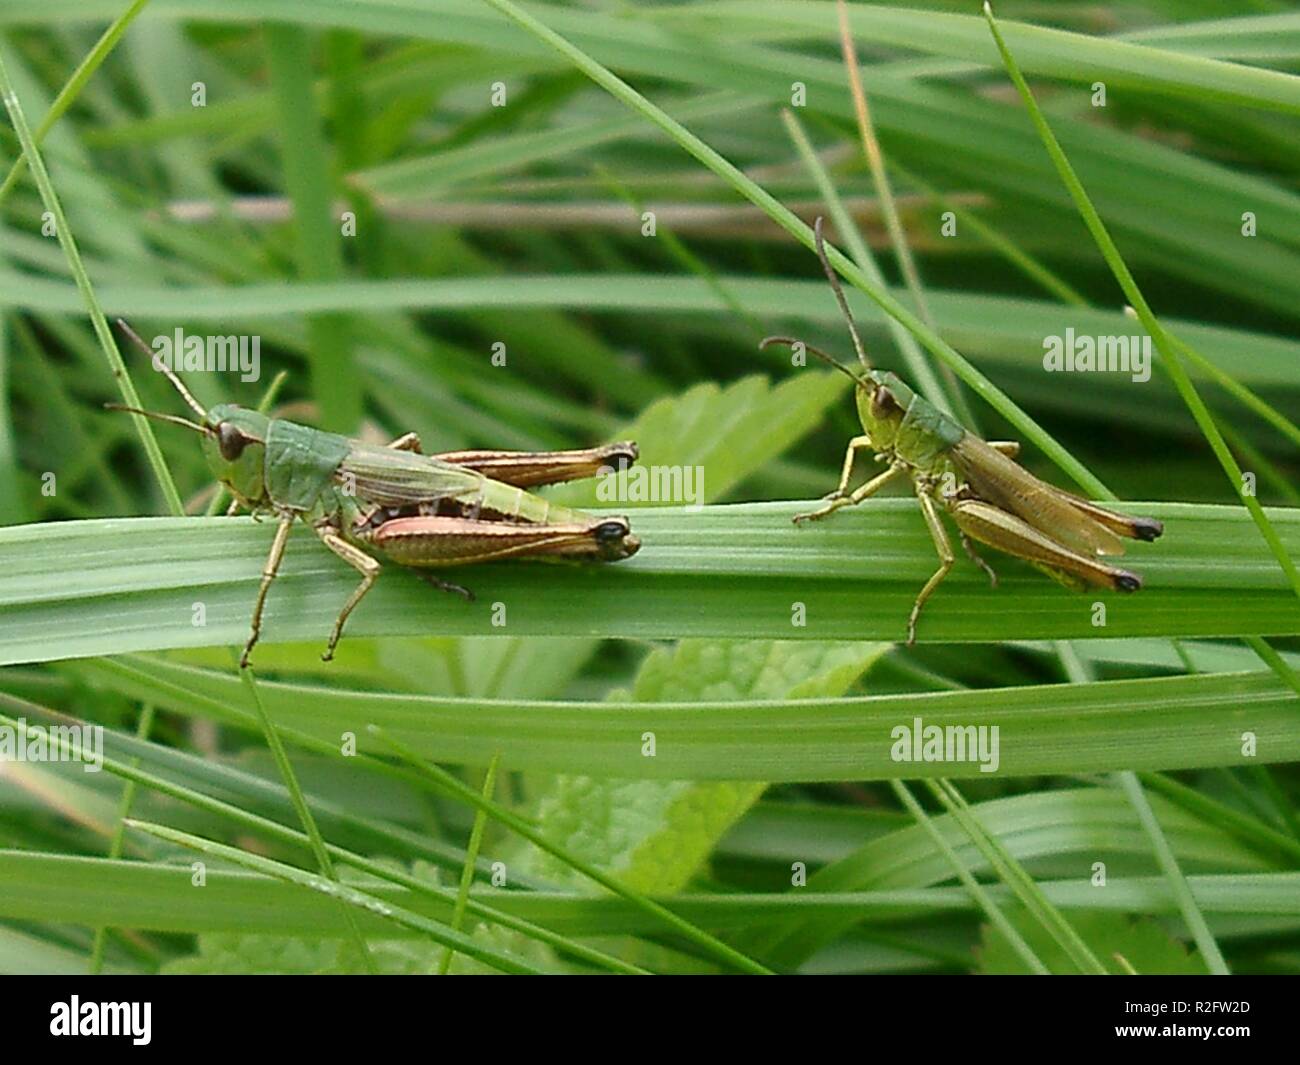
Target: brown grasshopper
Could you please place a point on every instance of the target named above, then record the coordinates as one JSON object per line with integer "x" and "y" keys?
{"x": 424, "y": 511}
{"x": 991, "y": 498}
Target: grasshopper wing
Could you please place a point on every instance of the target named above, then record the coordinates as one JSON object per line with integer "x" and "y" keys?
{"x": 1005, "y": 483}
{"x": 395, "y": 478}
{"x": 1120, "y": 524}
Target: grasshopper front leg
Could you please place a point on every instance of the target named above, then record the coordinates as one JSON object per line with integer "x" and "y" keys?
{"x": 946, "y": 558}
{"x": 841, "y": 490}
{"x": 269, "y": 571}
{"x": 840, "y": 497}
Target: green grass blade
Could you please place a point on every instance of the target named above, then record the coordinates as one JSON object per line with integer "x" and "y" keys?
{"x": 73, "y": 86}
{"x": 155, "y": 895}
{"x": 1168, "y": 349}
{"x": 1177, "y": 881}
{"x": 1002, "y": 330}
{"x": 1136, "y": 67}
{"x": 77, "y": 589}
{"x": 283, "y": 766}
{"x": 977, "y": 891}
{"x": 788, "y": 221}
{"x": 362, "y": 901}
{"x": 729, "y": 956}
{"x": 471, "y": 856}
{"x": 307, "y": 172}
{"x": 421, "y": 888}
{"x": 917, "y": 367}
{"x": 97, "y": 320}
{"x": 119, "y": 836}
{"x": 1178, "y": 722}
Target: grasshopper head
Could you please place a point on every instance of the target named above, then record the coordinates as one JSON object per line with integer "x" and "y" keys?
{"x": 882, "y": 400}
{"x": 234, "y": 444}
{"x": 234, "y": 437}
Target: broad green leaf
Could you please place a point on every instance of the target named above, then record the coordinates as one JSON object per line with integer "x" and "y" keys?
{"x": 656, "y": 835}
{"x": 698, "y": 446}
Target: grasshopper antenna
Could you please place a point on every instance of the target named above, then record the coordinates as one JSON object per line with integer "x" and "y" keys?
{"x": 834, "y": 279}
{"x": 830, "y": 360}
{"x": 160, "y": 417}
{"x": 158, "y": 364}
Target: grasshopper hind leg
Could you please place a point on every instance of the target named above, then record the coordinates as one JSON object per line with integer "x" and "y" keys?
{"x": 998, "y": 528}
{"x": 363, "y": 564}
{"x": 408, "y": 442}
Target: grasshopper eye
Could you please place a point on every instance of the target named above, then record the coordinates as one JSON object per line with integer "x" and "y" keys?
{"x": 231, "y": 441}
{"x": 884, "y": 401}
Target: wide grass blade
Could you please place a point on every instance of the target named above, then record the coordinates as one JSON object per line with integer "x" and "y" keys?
{"x": 1151, "y": 723}
{"x": 76, "y": 589}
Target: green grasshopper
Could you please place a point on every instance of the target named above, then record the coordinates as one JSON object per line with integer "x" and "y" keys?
{"x": 991, "y": 498}
{"x": 424, "y": 511}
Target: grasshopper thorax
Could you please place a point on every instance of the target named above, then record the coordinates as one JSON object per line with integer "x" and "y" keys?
{"x": 903, "y": 425}
{"x": 234, "y": 444}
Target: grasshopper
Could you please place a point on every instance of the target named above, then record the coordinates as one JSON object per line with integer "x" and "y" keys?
{"x": 991, "y": 498}
{"x": 422, "y": 511}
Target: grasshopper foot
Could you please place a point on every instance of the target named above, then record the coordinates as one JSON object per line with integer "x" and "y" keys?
{"x": 447, "y": 586}
{"x": 911, "y": 624}
{"x": 327, "y": 655}
{"x": 835, "y": 500}
{"x": 912, "y": 619}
